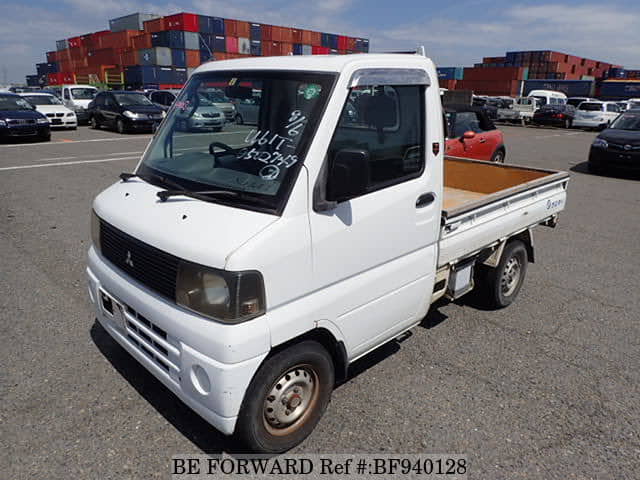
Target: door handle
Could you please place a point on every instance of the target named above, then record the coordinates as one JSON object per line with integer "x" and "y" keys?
{"x": 425, "y": 199}
{"x": 483, "y": 140}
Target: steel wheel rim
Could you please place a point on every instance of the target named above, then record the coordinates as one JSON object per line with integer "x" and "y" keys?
{"x": 510, "y": 276}
{"x": 291, "y": 400}
{"x": 498, "y": 158}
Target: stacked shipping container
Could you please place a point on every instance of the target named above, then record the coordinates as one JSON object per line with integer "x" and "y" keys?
{"x": 142, "y": 49}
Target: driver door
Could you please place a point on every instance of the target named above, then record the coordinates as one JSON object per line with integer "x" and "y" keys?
{"x": 374, "y": 255}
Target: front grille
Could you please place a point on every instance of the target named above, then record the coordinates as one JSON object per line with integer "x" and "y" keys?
{"x": 150, "y": 266}
{"x": 53, "y": 115}
{"x": 621, "y": 148}
{"x": 22, "y": 121}
{"x": 211, "y": 115}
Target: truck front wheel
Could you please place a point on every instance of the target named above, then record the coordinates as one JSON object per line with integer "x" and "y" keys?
{"x": 502, "y": 284}
{"x": 286, "y": 398}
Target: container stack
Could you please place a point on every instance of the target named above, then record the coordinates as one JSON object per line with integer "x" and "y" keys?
{"x": 494, "y": 81}
{"x": 144, "y": 50}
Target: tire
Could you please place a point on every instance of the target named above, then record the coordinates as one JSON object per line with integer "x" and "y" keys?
{"x": 500, "y": 286}
{"x": 45, "y": 138}
{"x": 303, "y": 368}
{"x": 239, "y": 119}
{"x": 217, "y": 129}
{"x": 498, "y": 156}
{"x": 94, "y": 123}
{"x": 120, "y": 127}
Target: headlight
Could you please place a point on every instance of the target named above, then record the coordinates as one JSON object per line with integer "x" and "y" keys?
{"x": 95, "y": 231}
{"x": 230, "y": 297}
{"x": 129, "y": 114}
{"x": 42, "y": 121}
{"x": 71, "y": 114}
{"x": 3, "y": 123}
{"x": 197, "y": 115}
{"x": 164, "y": 114}
{"x": 600, "y": 143}
{"x": 78, "y": 108}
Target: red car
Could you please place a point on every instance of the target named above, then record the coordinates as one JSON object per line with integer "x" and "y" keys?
{"x": 471, "y": 134}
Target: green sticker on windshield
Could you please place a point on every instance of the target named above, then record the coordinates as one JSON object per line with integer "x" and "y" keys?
{"x": 310, "y": 90}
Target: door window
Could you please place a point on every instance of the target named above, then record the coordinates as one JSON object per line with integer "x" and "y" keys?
{"x": 65, "y": 94}
{"x": 465, "y": 122}
{"x": 388, "y": 124}
{"x": 613, "y": 108}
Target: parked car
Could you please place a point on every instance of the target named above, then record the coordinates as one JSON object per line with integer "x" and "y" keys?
{"x": 51, "y": 107}
{"x": 124, "y": 111}
{"x": 548, "y": 97}
{"x": 247, "y": 278}
{"x": 575, "y": 101}
{"x": 77, "y": 98}
{"x": 221, "y": 101}
{"x": 162, "y": 98}
{"x": 205, "y": 116}
{"x": 489, "y": 107}
{"x": 521, "y": 110}
{"x": 247, "y": 110}
{"x": 617, "y": 147}
{"x": 558, "y": 115}
{"x": 595, "y": 114}
{"x": 19, "y": 119}
{"x": 633, "y": 103}
{"x": 624, "y": 106}
{"x": 472, "y": 134}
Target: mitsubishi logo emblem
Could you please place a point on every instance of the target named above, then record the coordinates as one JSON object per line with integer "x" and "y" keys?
{"x": 128, "y": 260}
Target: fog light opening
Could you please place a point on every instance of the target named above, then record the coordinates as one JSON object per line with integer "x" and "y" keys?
{"x": 200, "y": 380}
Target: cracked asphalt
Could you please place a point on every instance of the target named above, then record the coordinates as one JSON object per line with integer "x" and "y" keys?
{"x": 547, "y": 388}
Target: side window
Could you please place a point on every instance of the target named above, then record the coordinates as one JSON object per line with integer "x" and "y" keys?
{"x": 65, "y": 94}
{"x": 388, "y": 124}
{"x": 613, "y": 108}
{"x": 99, "y": 100}
{"x": 464, "y": 122}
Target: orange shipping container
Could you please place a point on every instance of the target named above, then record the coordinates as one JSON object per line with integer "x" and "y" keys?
{"x": 243, "y": 29}
{"x": 193, "y": 58}
{"x": 316, "y": 39}
{"x": 307, "y": 37}
{"x": 142, "y": 42}
{"x": 118, "y": 39}
{"x": 154, "y": 26}
{"x": 230, "y": 28}
{"x": 296, "y": 35}
{"x": 267, "y": 32}
{"x": 286, "y": 48}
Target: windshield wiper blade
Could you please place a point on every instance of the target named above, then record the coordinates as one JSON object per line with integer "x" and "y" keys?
{"x": 200, "y": 195}
{"x": 124, "y": 176}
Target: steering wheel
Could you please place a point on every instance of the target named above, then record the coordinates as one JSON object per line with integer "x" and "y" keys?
{"x": 221, "y": 145}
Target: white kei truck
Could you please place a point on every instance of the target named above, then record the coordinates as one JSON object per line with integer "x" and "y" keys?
{"x": 247, "y": 269}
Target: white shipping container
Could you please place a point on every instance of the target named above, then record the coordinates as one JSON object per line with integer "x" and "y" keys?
{"x": 306, "y": 49}
{"x": 244, "y": 45}
{"x": 191, "y": 41}
{"x": 131, "y": 22}
{"x": 156, "y": 56}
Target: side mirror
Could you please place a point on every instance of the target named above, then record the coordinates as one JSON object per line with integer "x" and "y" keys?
{"x": 348, "y": 175}
{"x": 469, "y": 135}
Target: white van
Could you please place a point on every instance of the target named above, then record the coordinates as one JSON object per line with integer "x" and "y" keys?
{"x": 77, "y": 98}
{"x": 548, "y": 97}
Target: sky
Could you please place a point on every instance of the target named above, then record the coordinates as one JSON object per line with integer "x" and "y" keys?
{"x": 455, "y": 33}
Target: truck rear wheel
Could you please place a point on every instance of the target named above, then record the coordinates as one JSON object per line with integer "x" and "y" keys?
{"x": 502, "y": 284}
{"x": 286, "y": 398}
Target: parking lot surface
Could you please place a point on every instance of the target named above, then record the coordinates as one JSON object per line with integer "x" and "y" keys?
{"x": 547, "y": 388}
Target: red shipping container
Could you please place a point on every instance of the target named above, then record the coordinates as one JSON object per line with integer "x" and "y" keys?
{"x": 276, "y": 33}
{"x": 193, "y": 58}
{"x": 129, "y": 58}
{"x": 183, "y": 21}
{"x": 269, "y": 49}
{"x": 351, "y": 43}
{"x": 142, "y": 42}
{"x": 155, "y": 25}
{"x": 297, "y": 35}
{"x": 267, "y": 32}
{"x": 244, "y": 29}
{"x": 231, "y": 44}
{"x": 307, "y": 37}
{"x": 75, "y": 42}
{"x": 342, "y": 42}
{"x": 65, "y": 65}
{"x": 121, "y": 39}
{"x": 315, "y": 50}
{"x": 52, "y": 57}
{"x": 105, "y": 56}
{"x": 94, "y": 41}
{"x": 230, "y": 28}
{"x": 78, "y": 53}
{"x": 286, "y": 34}
{"x": 316, "y": 39}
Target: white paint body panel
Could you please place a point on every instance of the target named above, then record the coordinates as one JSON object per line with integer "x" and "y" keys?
{"x": 364, "y": 271}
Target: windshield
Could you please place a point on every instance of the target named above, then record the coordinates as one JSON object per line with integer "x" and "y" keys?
{"x": 13, "y": 103}
{"x": 575, "y": 101}
{"x": 126, "y": 99}
{"x": 83, "y": 93}
{"x": 541, "y": 100}
{"x": 634, "y": 104}
{"x": 42, "y": 100}
{"x": 260, "y": 162}
{"x": 627, "y": 121}
{"x": 591, "y": 107}
{"x": 215, "y": 95}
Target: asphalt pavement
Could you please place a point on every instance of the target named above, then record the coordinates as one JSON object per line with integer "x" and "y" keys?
{"x": 547, "y": 388}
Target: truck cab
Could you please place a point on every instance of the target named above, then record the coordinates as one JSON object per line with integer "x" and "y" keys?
{"x": 548, "y": 97}
{"x": 77, "y": 98}
{"x": 247, "y": 269}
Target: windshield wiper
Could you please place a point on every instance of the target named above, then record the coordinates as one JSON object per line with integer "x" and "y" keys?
{"x": 148, "y": 177}
{"x": 200, "y": 195}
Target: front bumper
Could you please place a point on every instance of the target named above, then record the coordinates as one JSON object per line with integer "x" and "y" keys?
{"x": 206, "y": 123}
{"x": 588, "y": 123}
{"x": 142, "y": 124}
{"x": 554, "y": 122}
{"x": 206, "y": 364}
{"x": 34, "y": 130}
{"x": 614, "y": 159}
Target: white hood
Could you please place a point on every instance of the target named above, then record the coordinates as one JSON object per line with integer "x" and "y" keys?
{"x": 202, "y": 232}
{"x": 52, "y": 109}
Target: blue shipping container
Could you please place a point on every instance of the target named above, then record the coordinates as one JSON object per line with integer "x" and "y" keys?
{"x": 450, "y": 73}
{"x": 140, "y": 74}
{"x": 205, "y": 56}
{"x": 333, "y": 41}
{"x": 180, "y": 75}
{"x": 204, "y": 23}
{"x": 166, "y": 75}
{"x": 325, "y": 40}
{"x": 46, "y": 68}
{"x": 571, "y": 88}
{"x": 256, "y": 47}
{"x": 219, "y": 44}
{"x": 297, "y": 49}
{"x": 619, "y": 90}
{"x": 178, "y": 58}
{"x": 160, "y": 39}
{"x": 256, "y": 31}
{"x": 217, "y": 26}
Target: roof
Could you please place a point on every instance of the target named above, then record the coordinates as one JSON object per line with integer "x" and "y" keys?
{"x": 318, "y": 63}
{"x": 31, "y": 94}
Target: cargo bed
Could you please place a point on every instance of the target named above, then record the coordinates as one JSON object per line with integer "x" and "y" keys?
{"x": 485, "y": 203}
